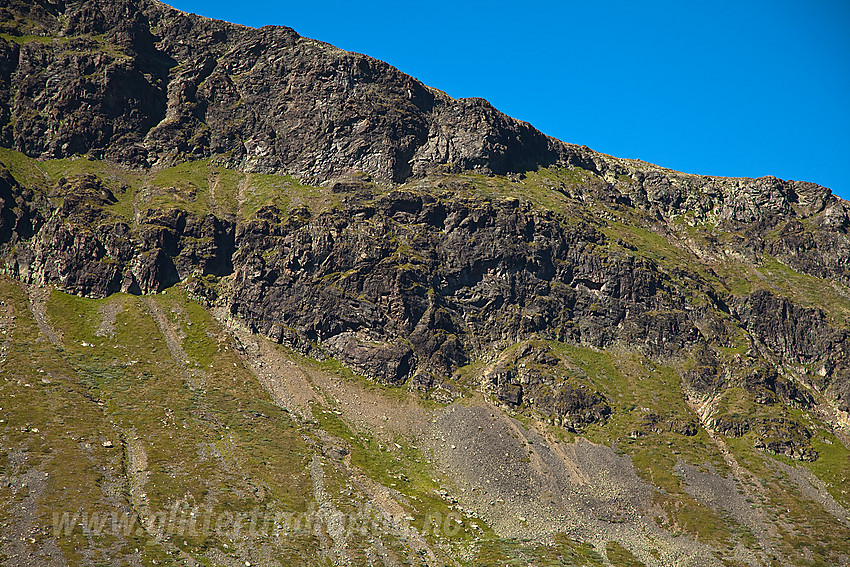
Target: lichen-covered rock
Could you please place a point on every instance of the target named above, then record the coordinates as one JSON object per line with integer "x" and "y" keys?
{"x": 732, "y": 425}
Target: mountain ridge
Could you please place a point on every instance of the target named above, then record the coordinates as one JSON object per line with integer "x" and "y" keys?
{"x": 405, "y": 128}
{"x": 432, "y": 148}
{"x": 381, "y": 291}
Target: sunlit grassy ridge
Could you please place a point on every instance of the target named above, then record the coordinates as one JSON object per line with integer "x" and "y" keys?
{"x": 198, "y": 187}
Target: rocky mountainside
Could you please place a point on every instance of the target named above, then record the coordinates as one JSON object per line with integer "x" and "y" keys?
{"x": 355, "y": 299}
{"x": 144, "y": 85}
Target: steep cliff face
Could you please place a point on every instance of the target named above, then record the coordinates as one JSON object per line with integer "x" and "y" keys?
{"x": 451, "y": 275}
{"x": 143, "y": 84}
{"x": 330, "y": 203}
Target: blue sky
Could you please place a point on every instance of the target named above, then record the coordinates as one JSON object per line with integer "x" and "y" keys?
{"x": 745, "y": 88}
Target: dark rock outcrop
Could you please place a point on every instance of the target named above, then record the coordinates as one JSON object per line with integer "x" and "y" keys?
{"x": 776, "y": 436}
{"x": 654, "y": 423}
{"x": 449, "y": 276}
{"x": 86, "y": 248}
{"x": 20, "y": 212}
{"x": 801, "y": 336}
{"x": 118, "y": 80}
{"x": 532, "y": 377}
{"x": 384, "y": 361}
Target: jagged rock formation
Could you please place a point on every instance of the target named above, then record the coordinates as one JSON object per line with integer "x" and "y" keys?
{"x": 120, "y": 81}
{"x": 90, "y": 251}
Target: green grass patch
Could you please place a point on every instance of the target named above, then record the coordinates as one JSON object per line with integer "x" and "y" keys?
{"x": 650, "y": 245}
{"x": 683, "y": 514}
{"x": 620, "y": 556}
{"x": 199, "y": 187}
{"x": 283, "y": 191}
{"x": 262, "y": 190}
{"x": 191, "y": 321}
{"x": 49, "y": 418}
{"x": 225, "y": 189}
{"x": 42, "y": 175}
{"x": 25, "y": 169}
{"x": 223, "y": 446}
{"x": 24, "y": 39}
{"x": 185, "y": 186}
{"x": 565, "y": 552}
{"x": 832, "y": 466}
{"x": 193, "y": 175}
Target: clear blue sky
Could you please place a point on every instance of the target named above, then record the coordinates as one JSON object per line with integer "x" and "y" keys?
{"x": 736, "y": 88}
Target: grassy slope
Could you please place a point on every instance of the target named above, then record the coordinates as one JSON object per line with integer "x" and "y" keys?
{"x": 213, "y": 441}
{"x": 222, "y": 446}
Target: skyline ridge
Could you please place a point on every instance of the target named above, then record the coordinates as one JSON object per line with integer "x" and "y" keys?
{"x": 759, "y": 95}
